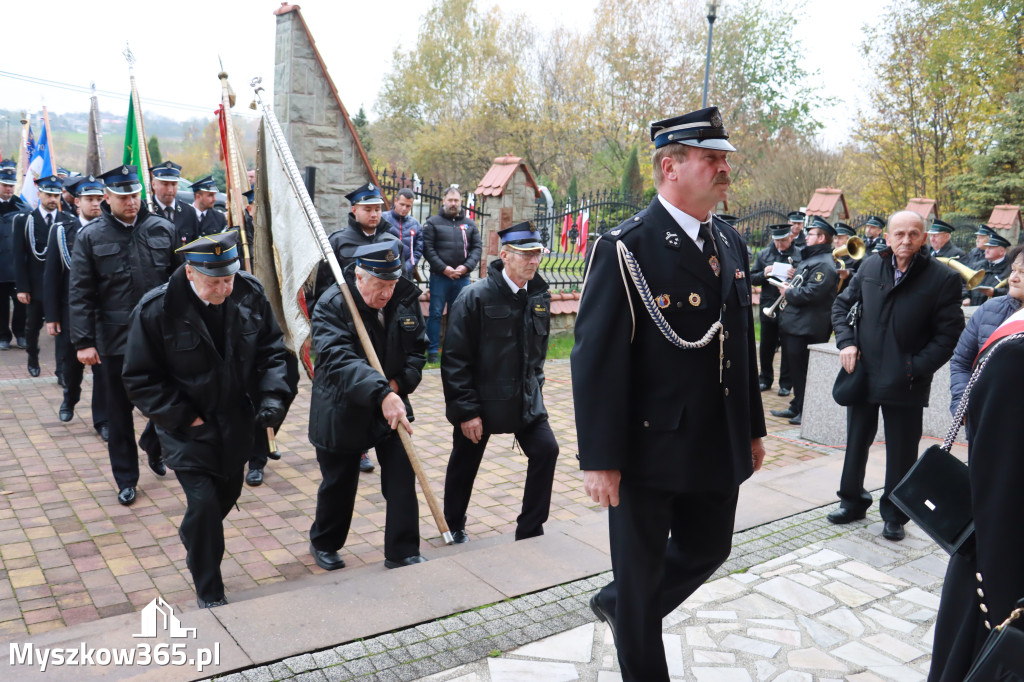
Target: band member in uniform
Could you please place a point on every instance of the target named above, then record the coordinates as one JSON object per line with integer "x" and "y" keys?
{"x": 12, "y": 327}
{"x": 796, "y": 226}
{"x": 492, "y": 372}
{"x": 31, "y": 236}
{"x": 354, "y": 407}
{"x": 997, "y": 269}
{"x": 118, "y": 257}
{"x": 88, "y": 194}
{"x": 909, "y": 323}
{"x": 939, "y": 235}
{"x": 850, "y": 264}
{"x": 873, "y": 229}
{"x": 166, "y": 177}
{"x": 780, "y": 250}
{"x": 203, "y": 219}
{"x": 664, "y": 372}
{"x": 806, "y": 317}
{"x": 975, "y": 259}
{"x": 205, "y": 361}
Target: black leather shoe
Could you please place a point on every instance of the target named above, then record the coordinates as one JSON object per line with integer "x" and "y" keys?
{"x": 843, "y": 515}
{"x": 255, "y": 476}
{"x": 784, "y": 414}
{"x": 22, "y": 342}
{"x": 329, "y": 561}
{"x": 459, "y": 537}
{"x": 407, "y": 561}
{"x": 603, "y": 616}
{"x": 66, "y": 413}
{"x": 764, "y": 386}
{"x": 365, "y": 463}
{"x": 33, "y": 371}
{"x": 157, "y": 465}
{"x": 5, "y": 345}
{"x": 104, "y": 432}
{"x": 126, "y": 496}
{"x": 797, "y": 420}
{"x": 893, "y": 531}
{"x": 211, "y": 604}
{"x": 785, "y": 391}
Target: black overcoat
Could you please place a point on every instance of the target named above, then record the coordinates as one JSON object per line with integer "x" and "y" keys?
{"x": 56, "y": 275}
{"x": 189, "y": 228}
{"x": 344, "y": 242}
{"x": 808, "y": 308}
{"x": 28, "y": 268}
{"x": 9, "y": 210}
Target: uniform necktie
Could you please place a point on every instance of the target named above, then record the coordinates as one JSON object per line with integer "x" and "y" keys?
{"x": 705, "y": 234}
{"x": 169, "y": 213}
{"x": 49, "y": 219}
{"x": 380, "y": 317}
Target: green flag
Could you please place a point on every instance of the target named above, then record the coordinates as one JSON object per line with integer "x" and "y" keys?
{"x": 132, "y": 148}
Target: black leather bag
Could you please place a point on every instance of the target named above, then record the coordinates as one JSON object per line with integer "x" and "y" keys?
{"x": 851, "y": 388}
{"x": 936, "y": 495}
{"x": 1002, "y": 655}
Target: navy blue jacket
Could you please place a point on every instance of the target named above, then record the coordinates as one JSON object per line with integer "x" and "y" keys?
{"x": 983, "y": 322}
{"x": 408, "y": 231}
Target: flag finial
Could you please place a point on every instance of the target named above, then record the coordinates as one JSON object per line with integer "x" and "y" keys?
{"x": 128, "y": 56}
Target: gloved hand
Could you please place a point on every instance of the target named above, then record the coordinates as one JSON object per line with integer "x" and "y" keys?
{"x": 272, "y": 412}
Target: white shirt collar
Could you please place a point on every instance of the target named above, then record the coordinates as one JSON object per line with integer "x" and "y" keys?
{"x": 511, "y": 285}
{"x": 83, "y": 220}
{"x": 164, "y": 206}
{"x": 689, "y": 224}
{"x": 199, "y": 214}
{"x": 52, "y": 214}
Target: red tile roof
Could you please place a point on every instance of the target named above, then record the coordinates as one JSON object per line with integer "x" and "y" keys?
{"x": 923, "y": 206}
{"x": 500, "y": 173}
{"x": 1004, "y": 216}
{"x": 824, "y": 201}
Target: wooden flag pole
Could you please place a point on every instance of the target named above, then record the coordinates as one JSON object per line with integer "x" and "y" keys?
{"x": 49, "y": 140}
{"x": 23, "y": 154}
{"x": 233, "y": 171}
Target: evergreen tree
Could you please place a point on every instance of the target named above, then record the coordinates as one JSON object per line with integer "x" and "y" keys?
{"x": 996, "y": 176}
{"x": 362, "y": 125}
{"x": 153, "y": 146}
{"x": 573, "y": 190}
{"x": 632, "y": 181}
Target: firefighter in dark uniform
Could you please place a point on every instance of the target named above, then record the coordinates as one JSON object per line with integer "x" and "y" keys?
{"x": 67, "y": 199}
{"x": 975, "y": 259}
{"x": 205, "y": 361}
{"x": 664, "y": 371}
{"x": 939, "y": 239}
{"x": 850, "y": 264}
{"x": 31, "y": 237}
{"x": 203, "y": 219}
{"x": 354, "y": 407}
{"x": 797, "y": 219}
{"x": 492, "y": 372}
{"x": 997, "y": 270}
{"x": 874, "y": 229}
{"x": 780, "y": 250}
{"x": 166, "y": 177}
{"x": 118, "y": 257}
{"x": 806, "y": 317}
{"x": 12, "y": 327}
{"x": 88, "y": 194}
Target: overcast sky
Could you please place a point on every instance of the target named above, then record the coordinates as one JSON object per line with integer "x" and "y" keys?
{"x": 177, "y": 44}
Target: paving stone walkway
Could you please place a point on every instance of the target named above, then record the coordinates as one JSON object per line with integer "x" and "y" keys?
{"x": 799, "y": 600}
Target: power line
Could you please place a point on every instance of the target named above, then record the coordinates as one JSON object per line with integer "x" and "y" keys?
{"x": 241, "y": 111}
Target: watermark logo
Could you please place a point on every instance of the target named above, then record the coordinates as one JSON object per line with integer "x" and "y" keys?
{"x": 157, "y": 619}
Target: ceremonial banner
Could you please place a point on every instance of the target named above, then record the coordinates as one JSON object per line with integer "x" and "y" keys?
{"x": 94, "y": 160}
{"x": 39, "y": 166}
{"x": 133, "y": 147}
{"x": 584, "y": 231}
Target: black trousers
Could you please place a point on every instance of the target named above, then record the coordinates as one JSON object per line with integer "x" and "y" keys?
{"x": 664, "y": 546}
{"x": 33, "y": 323}
{"x": 336, "y": 499}
{"x": 770, "y": 342}
{"x": 903, "y": 426}
{"x": 124, "y": 453}
{"x": 11, "y": 327}
{"x": 208, "y": 499}
{"x": 794, "y": 349}
{"x": 541, "y": 450}
{"x": 73, "y": 371}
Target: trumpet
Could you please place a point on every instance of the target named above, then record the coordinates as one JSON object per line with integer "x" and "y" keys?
{"x": 972, "y": 278}
{"x": 854, "y": 248}
{"x": 770, "y": 311}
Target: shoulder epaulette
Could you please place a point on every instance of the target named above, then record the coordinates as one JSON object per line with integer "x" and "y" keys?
{"x": 630, "y": 224}
{"x": 153, "y": 293}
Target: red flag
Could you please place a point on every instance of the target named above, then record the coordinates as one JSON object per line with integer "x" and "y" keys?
{"x": 566, "y": 226}
{"x": 584, "y": 231}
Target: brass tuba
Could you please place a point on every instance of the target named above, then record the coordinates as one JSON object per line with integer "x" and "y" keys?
{"x": 972, "y": 278}
{"x": 854, "y": 248}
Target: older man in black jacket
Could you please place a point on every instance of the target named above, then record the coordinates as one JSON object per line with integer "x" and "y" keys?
{"x": 493, "y": 373}
{"x": 205, "y": 361}
{"x": 451, "y": 244}
{"x": 354, "y": 407}
{"x": 910, "y": 321}
{"x": 117, "y": 259}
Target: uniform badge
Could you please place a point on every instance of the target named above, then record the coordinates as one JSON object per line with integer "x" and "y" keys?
{"x": 715, "y": 265}
{"x": 124, "y": 170}
{"x": 740, "y": 274}
{"x": 167, "y": 165}
{"x": 390, "y": 256}
{"x": 819, "y": 276}
{"x": 694, "y": 300}
{"x": 540, "y": 309}
{"x": 722, "y": 237}
{"x": 216, "y": 250}
{"x": 672, "y": 239}
{"x": 663, "y": 301}
{"x": 369, "y": 186}
{"x": 408, "y": 322}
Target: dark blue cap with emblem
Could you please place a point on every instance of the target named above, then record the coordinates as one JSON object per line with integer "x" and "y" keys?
{"x": 62, "y": 172}
{"x": 875, "y": 221}
{"x": 780, "y": 231}
{"x": 85, "y": 186}
{"x": 844, "y": 230}
{"x": 51, "y": 184}
{"x": 984, "y": 231}
{"x": 880, "y": 246}
{"x": 168, "y": 171}
{"x": 122, "y": 180}
{"x": 205, "y": 185}
{"x": 940, "y": 226}
{"x": 522, "y": 237}
{"x": 998, "y": 240}
{"x": 796, "y": 217}
{"x": 215, "y": 255}
{"x": 703, "y": 128}
{"x": 365, "y": 194}
{"x": 817, "y": 222}
{"x": 382, "y": 260}
{"x": 8, "y": 172}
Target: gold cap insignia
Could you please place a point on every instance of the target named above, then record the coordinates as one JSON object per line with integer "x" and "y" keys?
{"x": 216, "y": 250}
{"x": 390, "y": 257}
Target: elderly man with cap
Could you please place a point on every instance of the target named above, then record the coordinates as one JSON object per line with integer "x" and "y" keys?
{"x": 909, "y": 323}
{"x": 796, "y": 226}
{"x": 668, "y": 412}
{"x": 806, "y": 316}
{"x": 493, "y": 373}
{"x": 939, "y": 235}
{"x": 88, "y": 194}
{"x": 976, "y": 258}
{"x": 31, "y": 237}
{"x": 11, "y": 328}
{"x": 354, "y": 407}
{"x": 779, "y": 255}
{"x": 203, "y": 219}
{"x": 997, "y": 270}
{"x": 118, "y": 257}
{"x": 874, "y": 227}
{"x": 166, "y": 177}
{"x": 205, "y": 361}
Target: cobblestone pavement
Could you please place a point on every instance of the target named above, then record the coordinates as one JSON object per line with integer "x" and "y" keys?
{"x": 70, "y": 554}
{"x": 798, "y": 600}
